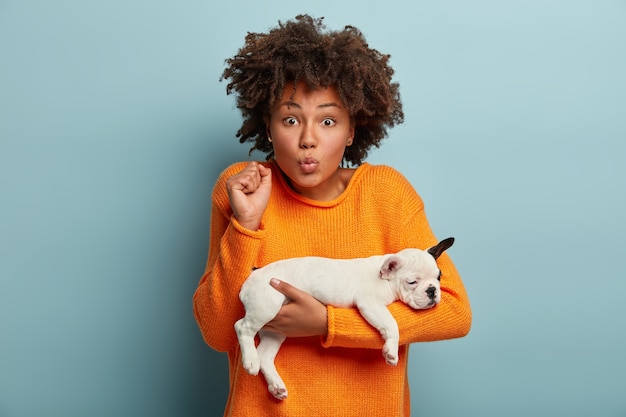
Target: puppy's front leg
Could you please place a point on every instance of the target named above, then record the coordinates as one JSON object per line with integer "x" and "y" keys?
{"x": 379, "y": 316}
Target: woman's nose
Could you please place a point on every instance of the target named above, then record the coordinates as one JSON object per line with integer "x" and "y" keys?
{"x": 307, "y": 140}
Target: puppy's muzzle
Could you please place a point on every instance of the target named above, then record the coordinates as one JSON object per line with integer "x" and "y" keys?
{"x": 431, "y": 292}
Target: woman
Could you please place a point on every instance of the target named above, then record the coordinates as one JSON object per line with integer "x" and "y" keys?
{"x": 316, "y": 101}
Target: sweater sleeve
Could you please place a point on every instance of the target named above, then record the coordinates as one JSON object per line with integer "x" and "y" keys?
{"x": 451, "y": 318}
{"x": 233, "y": 251}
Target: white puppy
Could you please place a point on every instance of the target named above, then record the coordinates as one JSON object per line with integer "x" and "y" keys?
{"x": 370, "y": 284}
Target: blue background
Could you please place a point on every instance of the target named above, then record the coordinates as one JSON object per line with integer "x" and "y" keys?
{"x": 114, "y": 126}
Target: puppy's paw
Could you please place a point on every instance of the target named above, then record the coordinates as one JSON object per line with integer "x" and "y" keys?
{"x": 391, "y": 356}
{"x": 280, "y": 393}
{"x": 252, "y": 366}
{"x": 391, "y": 360}
{"x": 390, "y": 351}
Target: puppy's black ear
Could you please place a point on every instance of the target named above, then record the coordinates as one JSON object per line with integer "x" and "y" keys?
{"x": 440, "y": 247}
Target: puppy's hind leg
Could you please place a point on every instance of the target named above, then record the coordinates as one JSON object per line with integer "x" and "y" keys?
{"x": 246, "y": 330}
{"x": 268, "y": 349}
{"x": 261, "y": 306}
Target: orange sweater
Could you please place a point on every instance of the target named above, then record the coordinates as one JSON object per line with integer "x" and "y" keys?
{"x": 343, "y": 374}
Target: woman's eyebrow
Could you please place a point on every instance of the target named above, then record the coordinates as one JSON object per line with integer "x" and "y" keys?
{"x": 331, "y": 104}
{"x": 320, "y": 106}
{"x": 290, "y": 104}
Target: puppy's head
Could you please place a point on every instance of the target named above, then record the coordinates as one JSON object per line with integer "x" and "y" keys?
{"x": 415, "y": 276}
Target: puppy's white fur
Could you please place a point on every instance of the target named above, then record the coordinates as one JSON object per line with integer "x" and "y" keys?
{"x": 370, "y": 284}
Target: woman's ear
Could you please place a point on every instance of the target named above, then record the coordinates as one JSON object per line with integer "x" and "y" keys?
{"x": 350, "y": 139}
{"x": 266, "y": 119}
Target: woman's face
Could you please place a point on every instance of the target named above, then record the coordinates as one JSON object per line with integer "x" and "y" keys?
{"x": 310, "y": 130}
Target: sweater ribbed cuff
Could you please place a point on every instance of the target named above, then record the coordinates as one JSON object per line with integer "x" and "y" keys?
{"x": 251, "y": 233}
{"x": 330, "y": 334}
{"x": 347, "y": 328}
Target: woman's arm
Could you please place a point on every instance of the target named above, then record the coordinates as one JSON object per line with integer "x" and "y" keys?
{"x": 233, "y": 250}
{"x": 216, "y": 300}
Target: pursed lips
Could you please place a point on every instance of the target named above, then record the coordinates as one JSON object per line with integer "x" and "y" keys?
{"x": 308, "y": 164}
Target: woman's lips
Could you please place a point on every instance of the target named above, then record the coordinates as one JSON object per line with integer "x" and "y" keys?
{"x": 308, "y": 165}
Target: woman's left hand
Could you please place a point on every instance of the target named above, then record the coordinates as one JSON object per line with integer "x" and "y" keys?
{"x": 302, "y": 316}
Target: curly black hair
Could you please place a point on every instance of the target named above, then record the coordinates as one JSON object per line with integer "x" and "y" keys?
{"x": 305, "y": 50}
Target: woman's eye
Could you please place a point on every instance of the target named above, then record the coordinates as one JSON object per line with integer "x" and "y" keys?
{"x": 328, "y": 122}
{"x": 290, "y": 121}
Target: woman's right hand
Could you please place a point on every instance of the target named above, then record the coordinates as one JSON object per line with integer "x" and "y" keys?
{"x": 249, "y": 193}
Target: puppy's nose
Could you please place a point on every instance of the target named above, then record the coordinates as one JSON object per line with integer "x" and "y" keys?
{"x": 431, "y": 291}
